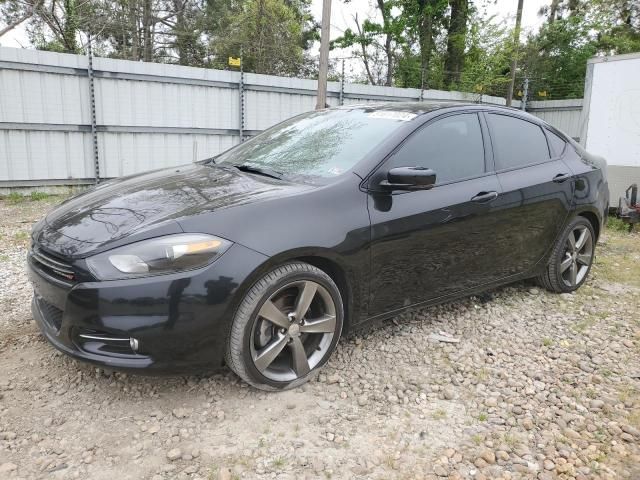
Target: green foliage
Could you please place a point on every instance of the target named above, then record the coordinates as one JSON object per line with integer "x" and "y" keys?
{"x": 488, "y": 53}
{"x": 270, "y": 35}
{"x": 617, "y": 225}
{"x": 15, "y": 197}
{"x": 556, "y": 58}
{"x": 37, "y": 196}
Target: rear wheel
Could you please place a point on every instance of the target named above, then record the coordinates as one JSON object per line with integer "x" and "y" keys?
{"x": 571, "y": 259}
{"x": 286, "y": 327}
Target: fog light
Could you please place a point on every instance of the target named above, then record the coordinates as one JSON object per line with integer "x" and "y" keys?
{"x": 133, "y": 343}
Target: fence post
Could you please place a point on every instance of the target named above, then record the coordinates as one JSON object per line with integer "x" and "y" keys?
{"x": 92, "y": 106}
{"x": 342, "y": 85}
{"x": 241, "y": 98}
{"x": 525, "y": 92}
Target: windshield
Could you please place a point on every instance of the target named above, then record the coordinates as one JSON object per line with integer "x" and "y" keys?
{"x": 317, "y": 144}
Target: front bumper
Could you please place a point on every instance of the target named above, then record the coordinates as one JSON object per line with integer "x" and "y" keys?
{"x": 180, "y": 321}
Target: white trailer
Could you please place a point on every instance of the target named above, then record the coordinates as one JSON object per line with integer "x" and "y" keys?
{"x": 610, "y": 120}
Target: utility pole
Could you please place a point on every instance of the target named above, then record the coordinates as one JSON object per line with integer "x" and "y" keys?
{"x": 324, "y": 54}
{"x": 241, "y": 97}
{"x": 514, "y": 54}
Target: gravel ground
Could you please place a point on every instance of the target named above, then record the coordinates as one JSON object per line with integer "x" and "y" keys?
{"x": 540, "y": 386}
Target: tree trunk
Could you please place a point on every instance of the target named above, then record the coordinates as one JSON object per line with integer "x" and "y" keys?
{"x": 70, "y": 27}
{"x": 553, "y": 10}
{"x": 365, "y": 56}
{"x": 514, "y": 54}
{"x": 387, "y": 43}
{"x": 133, "y": 25}
{"x": 146, "y": 26}
{"x": 182, "y": 39}
{"x": 425, "y": 37}
{"x": 456, "y": 40}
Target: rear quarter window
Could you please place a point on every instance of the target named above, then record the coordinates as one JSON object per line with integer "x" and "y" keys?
{"x": 557, "y": 143}
{"x": 516, "y": 142}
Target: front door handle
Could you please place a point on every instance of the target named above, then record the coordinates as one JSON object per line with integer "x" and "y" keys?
{"x": 484, "y": 197}
{"x": 561, "y": 177}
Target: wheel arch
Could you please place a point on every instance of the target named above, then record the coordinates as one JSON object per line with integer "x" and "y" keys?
{"x": 339, "y": 276}
{"x": 594, "y": 220}
{"x": 327, "y": 261}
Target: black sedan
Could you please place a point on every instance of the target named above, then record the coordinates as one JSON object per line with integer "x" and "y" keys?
{"x": 262, "y": 257}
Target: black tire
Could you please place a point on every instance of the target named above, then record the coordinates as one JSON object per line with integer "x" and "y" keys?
{"x": 249, "y": 326}
{"x": 554, "y": 278}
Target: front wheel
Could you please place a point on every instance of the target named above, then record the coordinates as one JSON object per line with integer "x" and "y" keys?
{"x": 286, "y": 327}
{"x": 571, "y": 258}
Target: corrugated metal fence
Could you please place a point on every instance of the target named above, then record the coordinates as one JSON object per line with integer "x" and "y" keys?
{"x": 151, "y": 115}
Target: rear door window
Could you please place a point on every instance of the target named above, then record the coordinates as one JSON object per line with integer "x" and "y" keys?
{"x": 516, "y": 143}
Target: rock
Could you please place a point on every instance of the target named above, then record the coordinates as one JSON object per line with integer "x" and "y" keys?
{"x": 363, "y": 400}
{"x": 480, "y": 463}
{"x": 627, "y": 437}
{"x": 596, "y": 404}
{"x": 488, "y": 456}
{"x": 572, "y": 434}
{"x": 630, "y": 430}
{"x": 449, "y": 393}
{"x": 566, "y": 468}
{"x": 502, "y": 455}
{"x": 548, "y": 464}
{"x": 585, "y": 367}
{"x": 180, "y": 413}
{"x": 527, "y": 423}
{"x": 174, "y": 454}
{"x": 224, "y": 474}
{"x": 440, "y": 471}
{"x": 491, "y": 402}
{"x": 8, "y": 467}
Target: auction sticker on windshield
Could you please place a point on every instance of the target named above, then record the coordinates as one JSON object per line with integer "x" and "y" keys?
{"x": 392, "y": 115}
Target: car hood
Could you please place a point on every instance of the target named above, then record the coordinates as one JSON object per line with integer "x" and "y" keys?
{"x": 151, "y": 204}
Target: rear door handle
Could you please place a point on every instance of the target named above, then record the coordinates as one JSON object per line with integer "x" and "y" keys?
{"x": 561, "y": 177}
{"x": 484, "y": 197}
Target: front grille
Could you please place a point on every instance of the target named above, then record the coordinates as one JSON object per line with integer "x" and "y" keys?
{"x": 52, "y": 265}
{"x": 51, "y": 314}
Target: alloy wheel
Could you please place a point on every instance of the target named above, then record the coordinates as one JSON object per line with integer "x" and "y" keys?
{"x": 577, "y": 256}
{"x": 293, "y": 331}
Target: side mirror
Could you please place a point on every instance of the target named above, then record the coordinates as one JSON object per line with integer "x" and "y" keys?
{"x": 409, "y": 178}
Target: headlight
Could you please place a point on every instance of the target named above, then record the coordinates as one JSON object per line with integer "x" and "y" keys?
{"x": 172, "y": 253}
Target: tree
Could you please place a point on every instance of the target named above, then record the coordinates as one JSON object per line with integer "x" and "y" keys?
{"x": 456, "y": 41}
{"x": 51, "y": 24}
{"x": 268, "y": 34}
{"x": 425, "y": 18}
{"x": 375, "y": 40}
{"x": 487, "y": 56}
{"x": 556, "y": 58}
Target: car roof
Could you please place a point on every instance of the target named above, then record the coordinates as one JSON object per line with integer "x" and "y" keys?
{"x": 422, "y": 107}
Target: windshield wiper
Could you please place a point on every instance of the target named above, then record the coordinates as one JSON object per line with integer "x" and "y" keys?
{"x": 267, "y": 172}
